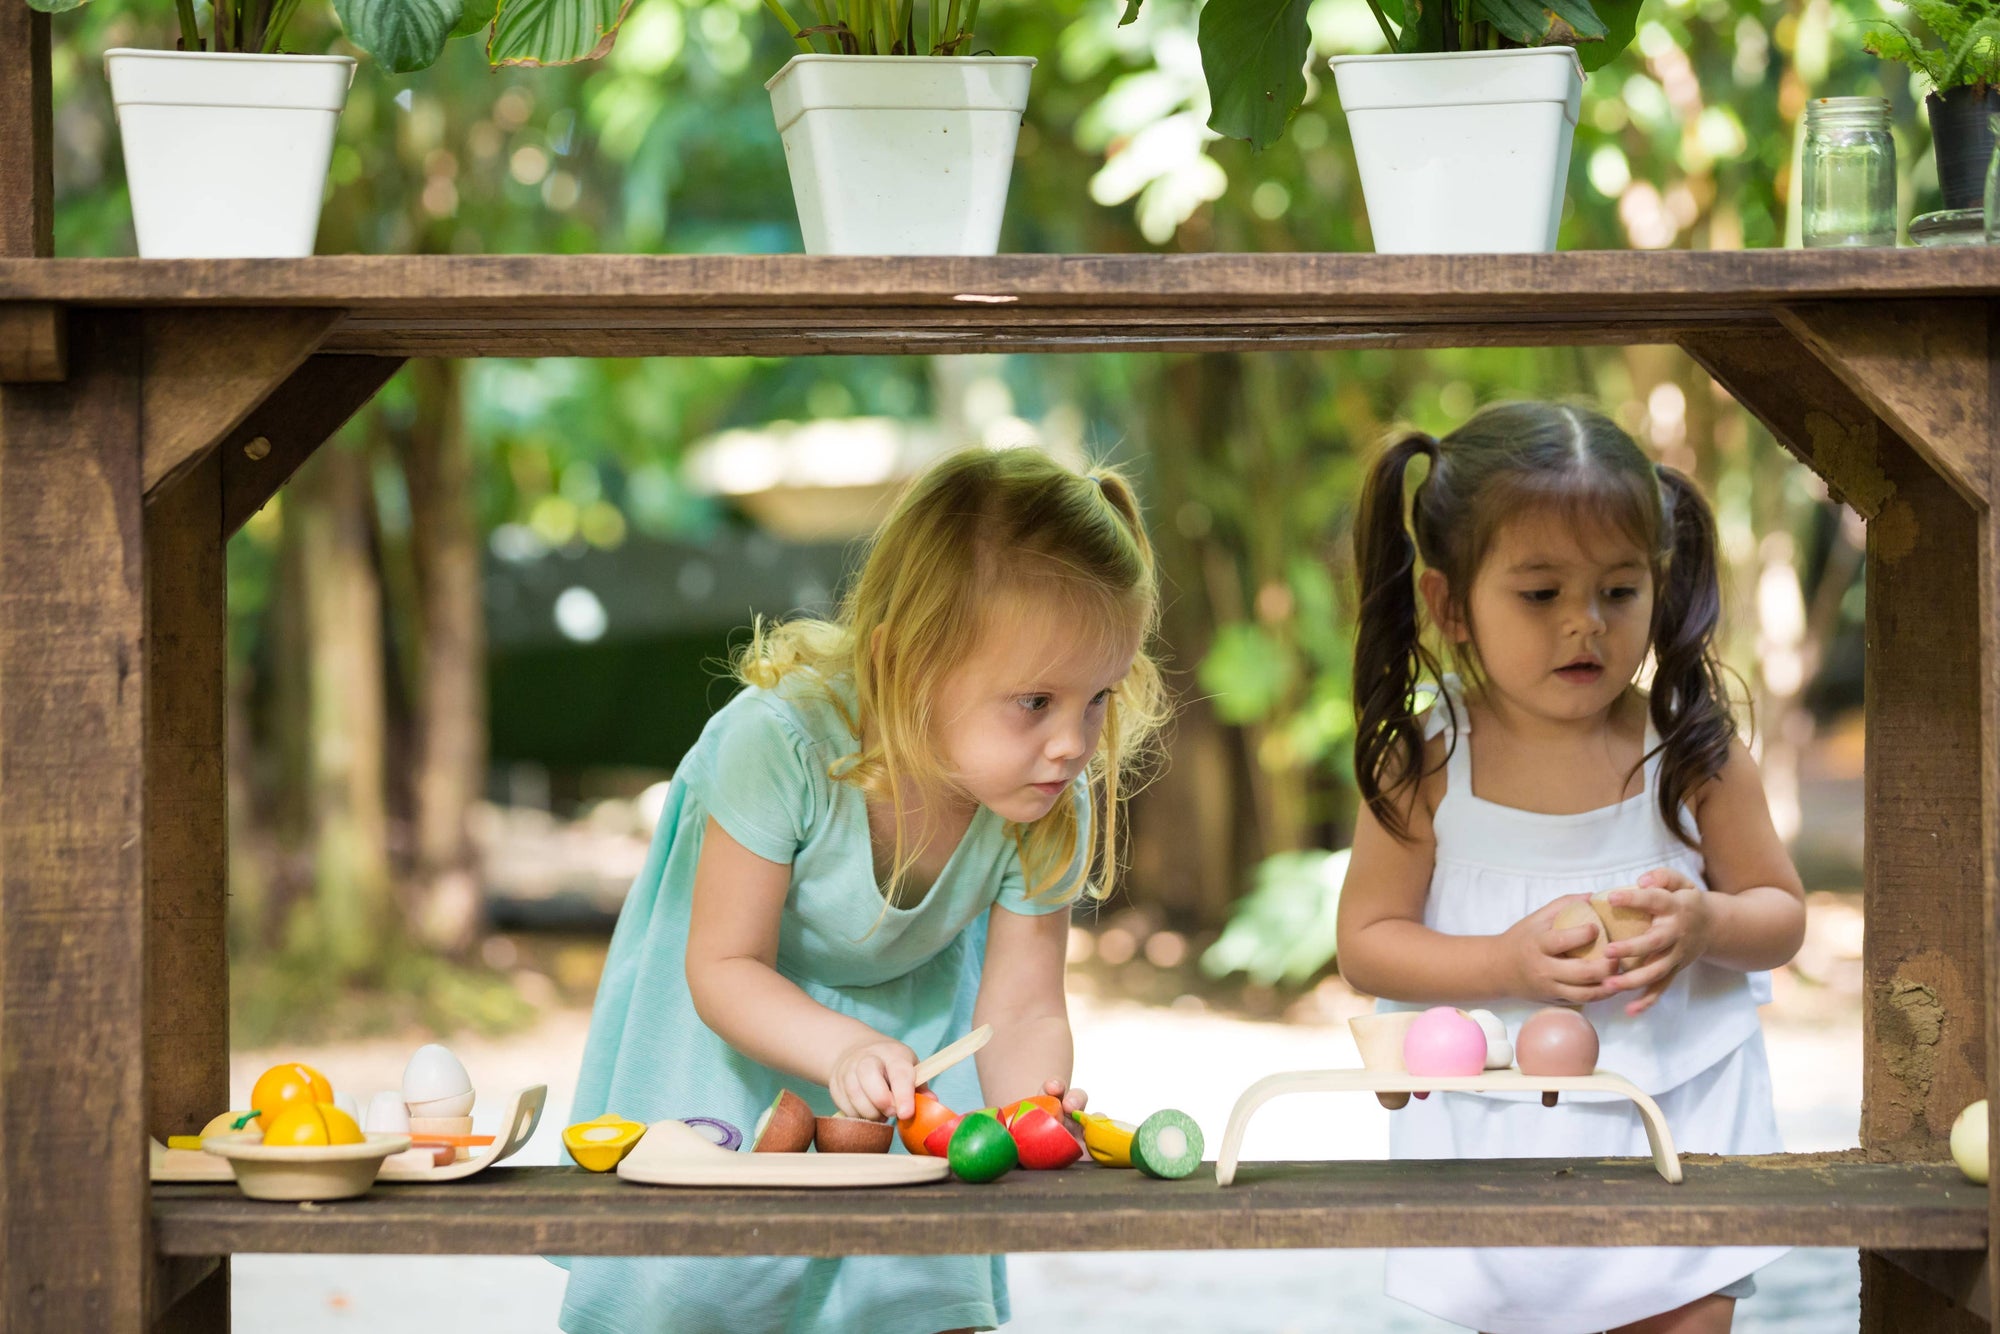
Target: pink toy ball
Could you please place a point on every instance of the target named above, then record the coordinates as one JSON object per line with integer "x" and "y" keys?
{"x": 1443, "y": 1042}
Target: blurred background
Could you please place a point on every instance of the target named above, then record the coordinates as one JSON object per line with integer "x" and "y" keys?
{"x": 471, "y": 640}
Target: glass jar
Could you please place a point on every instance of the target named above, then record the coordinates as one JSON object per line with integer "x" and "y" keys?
{"x": 1849, "y": 173}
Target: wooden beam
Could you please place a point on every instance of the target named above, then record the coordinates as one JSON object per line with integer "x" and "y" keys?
{"x": 261, "y": 455}
{"x": 33, "y": 341}
{"x": 206, "y": 370}
{"x": 1963, "y": 1277}
{"x": 1779, "y": 1199}
{"x": 190, "y": 1294}
{"x": 1922, "y": 366}
{"x": 75, "y": 1249}
{"x": 1926, "y": 1015}
{"x": 27, "y": 138}
{"x": 1810, "y": 411}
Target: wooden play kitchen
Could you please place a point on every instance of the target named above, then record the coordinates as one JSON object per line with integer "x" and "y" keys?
{"x": 147, "y": 408}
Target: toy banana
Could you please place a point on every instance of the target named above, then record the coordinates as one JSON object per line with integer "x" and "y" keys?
{"x": 1107, "y": 1141}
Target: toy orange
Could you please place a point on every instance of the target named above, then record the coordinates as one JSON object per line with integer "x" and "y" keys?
{"x": 311, "y": 1124}
{"x": 282, "y": 1085}
{"x": 929, "y": 1115}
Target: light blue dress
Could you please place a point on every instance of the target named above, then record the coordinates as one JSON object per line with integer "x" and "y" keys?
{"x": 761, "y": 770}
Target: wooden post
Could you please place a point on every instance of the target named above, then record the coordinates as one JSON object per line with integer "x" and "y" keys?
{"x": 27, "y": 153}
{"x": 75, "y": 1250}
{"x": 187, "y": 840}
{"x": 1840, "y": 392}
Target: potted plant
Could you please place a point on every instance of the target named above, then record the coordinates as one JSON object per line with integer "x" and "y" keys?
{"x": 1462, "y": 131}
{"x": 1962, "y": 63}
{"x": 227, "y": 137}
{"x": 898, "y": 139}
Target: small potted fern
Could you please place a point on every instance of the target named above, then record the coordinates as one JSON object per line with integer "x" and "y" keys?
{"x": 900, "y": 141}
{"x": 1958, "y": 52}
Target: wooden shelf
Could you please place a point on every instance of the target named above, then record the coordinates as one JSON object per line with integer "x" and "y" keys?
{"x": 1797, "y": 1199}
{"x": 649, "y": 305}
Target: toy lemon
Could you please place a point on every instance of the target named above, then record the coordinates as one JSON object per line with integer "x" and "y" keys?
{"x": 281, "y": 1085}
{"x": 311, "y": 1125}
{"x": 599, "y": 1145}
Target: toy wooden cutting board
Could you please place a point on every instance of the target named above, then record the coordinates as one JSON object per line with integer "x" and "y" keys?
{"x": 674, "y": 1154}
{"x": 524, "y": 1112}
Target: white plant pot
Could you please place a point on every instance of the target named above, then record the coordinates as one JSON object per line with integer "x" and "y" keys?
{"x": 1464, "y": 151}
{"x": 226, "y": 154}
{"x": 900, "y": 155}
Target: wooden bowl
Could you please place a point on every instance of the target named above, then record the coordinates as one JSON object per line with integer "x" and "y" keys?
{"x": 314, "y": 1172}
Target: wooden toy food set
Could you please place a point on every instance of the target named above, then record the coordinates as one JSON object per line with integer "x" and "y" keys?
{"x": 295, "y": 1143}
{"x": 791, "y": 1147}
{"x": 1442, "y": 1050}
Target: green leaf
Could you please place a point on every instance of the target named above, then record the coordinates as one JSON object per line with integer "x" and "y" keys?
{"x": 54, "y": 6}
{"x": 402, "y": 35}
{"x": 554, "y": 32}
{"x": 1621, "y": 21}
{"x": 1285, "y": 929}
{"x": 1253, "y": 53}
{"x": 1543, "y": 22}
{"x": 478, "y": 13}
{"x": 1131, "y": 13}
{"x": 1423, "y": 26}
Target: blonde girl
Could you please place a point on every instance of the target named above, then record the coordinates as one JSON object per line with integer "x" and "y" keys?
{"x": 872, "y": 850}
{"x": 1550, "y": 562}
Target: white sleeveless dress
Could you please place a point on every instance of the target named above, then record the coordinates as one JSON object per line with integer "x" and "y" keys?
{"x": 1699, "y": 1052}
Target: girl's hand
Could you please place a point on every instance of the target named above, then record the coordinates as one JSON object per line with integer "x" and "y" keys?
{"x": 1073, "y": 1100}
{"x": 875, "y": 1079}
{"x": 1534, "y": 951}
{"x": 1683, "y": 919}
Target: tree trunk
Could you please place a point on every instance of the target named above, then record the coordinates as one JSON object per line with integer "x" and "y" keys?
{"x": 349, "y": 915}
{"x": 449, "y": 688}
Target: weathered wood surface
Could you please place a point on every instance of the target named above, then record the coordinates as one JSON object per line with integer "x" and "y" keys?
{"x": 33, "y": 341}
{"x": 74, "y": 1247}
{"x": 27, "y": 139}
{"x": 605, "y": 305}
{"x": 1799, "y": 1199}
{"x": 206, "y": 370}
{"x": 271, "y": 444}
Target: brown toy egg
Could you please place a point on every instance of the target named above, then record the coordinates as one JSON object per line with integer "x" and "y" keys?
{"x": 849, "y": 1134}
{"x": 785, "y": 1127}
{"x": 1614, "y": 922}
{"x": 1556, "y": 1042}
{"x": 1578, "y": 912}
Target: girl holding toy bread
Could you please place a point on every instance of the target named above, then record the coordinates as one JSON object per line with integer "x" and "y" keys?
{"x": 1550, "y": 562}
{"x": 871, "y": 851}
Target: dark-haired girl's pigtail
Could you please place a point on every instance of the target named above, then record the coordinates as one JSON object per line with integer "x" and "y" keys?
{"x": 1388, "y": 648}
{"x": 1690, "y": 704}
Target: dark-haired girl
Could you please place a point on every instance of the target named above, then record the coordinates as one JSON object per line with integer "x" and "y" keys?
{"x": 1547, "y": 563}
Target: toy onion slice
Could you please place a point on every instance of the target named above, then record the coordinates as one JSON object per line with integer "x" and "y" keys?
{"x": 1168, "y": 1144}
{"x": 725, "y": 1135}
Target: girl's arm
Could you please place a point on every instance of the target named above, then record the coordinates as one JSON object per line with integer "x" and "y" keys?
{"x": 1021, "y": 995}
{"x": 732, "y": 955}
{"x": 1385, "y": 949}
{"x": 1753, "y": 914}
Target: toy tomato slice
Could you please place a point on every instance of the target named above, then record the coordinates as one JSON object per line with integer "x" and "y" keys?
{"x": 1042, "y": 1141}
{"x": 929, "y": 1115}
{"x": 1053, "y": 1106}
{"x": 938, "y": 1143}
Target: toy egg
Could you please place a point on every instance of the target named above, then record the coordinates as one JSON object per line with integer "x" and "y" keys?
{"x": 1556, "y": 1042}
{"x": 1499, "y": 1051}
{"x": 386, "y": 1114}
{"x": 346, "y": 1103}
{"x": 1968, "y": 1142}
{"x": 435, "y": 1084}
{"x": 1444, "y": 1043}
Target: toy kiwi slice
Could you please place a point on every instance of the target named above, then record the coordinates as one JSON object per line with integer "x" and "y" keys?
{"x": 1167, "y": 1144}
